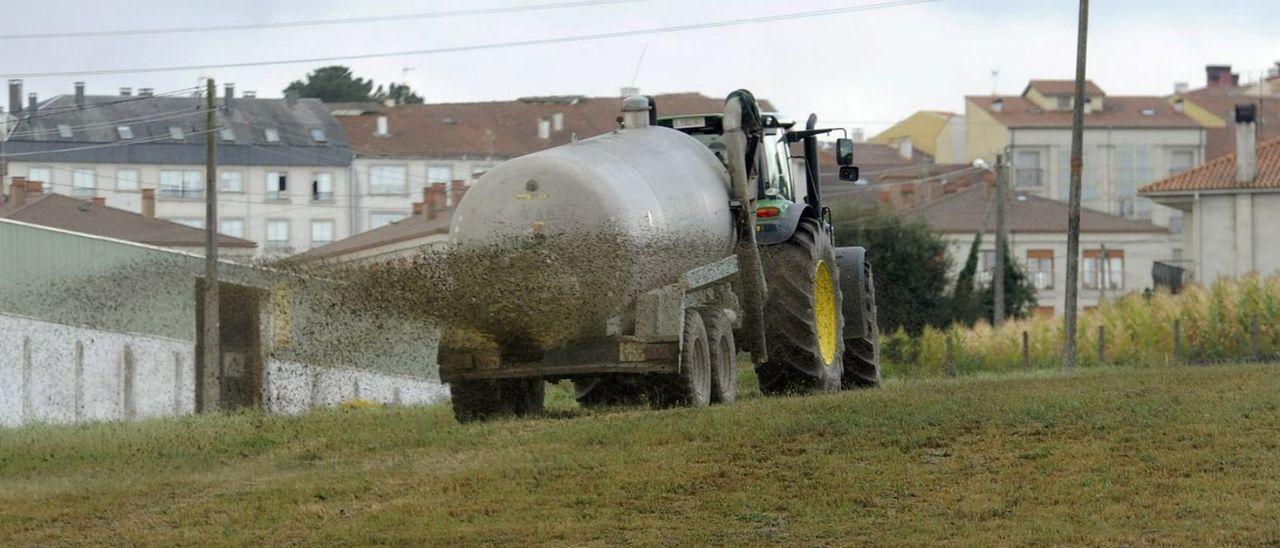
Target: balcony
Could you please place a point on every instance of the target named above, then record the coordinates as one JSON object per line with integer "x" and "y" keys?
{"x": 181, "y": 193}
{"x": 277, "y": 196}
{"x": 322, "y": 197}
{"x": 1029, "y": 177}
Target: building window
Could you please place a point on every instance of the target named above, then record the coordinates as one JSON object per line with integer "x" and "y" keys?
{"x": 127, "y": 179}
{"x": 64, "y": 131}
{"x": 1040, "y": 268}
{"x": 321, "y": 232}
{"x": 1027, "y": 168}
{"x": 322, "y": 187}
{"x": 1097, "y": 274}
{"x": 231, "y": 227}
{"x": 193, "y": 222}
{"x": 1181, "y": 160}
{"x": 277, "y": 186}
{"x": 83, "y": 183}
{"x": 271, "y": 134}
{"x": 1064, "y": 102}
{"x": 41, "y": 175}
{"x": 231, "y": 181}
{"x": 317, "y": 135}
{"x": 388, "y": 180}
{"x": 125, "y": 132}
{"x": 381, "y": 219}
{"x": 986, "y": 265}
{"x": 185, "y": 184}
{"x": 176, "y": 133}
{"x": 226, "y": 134}
{"x": 278, "y": 234}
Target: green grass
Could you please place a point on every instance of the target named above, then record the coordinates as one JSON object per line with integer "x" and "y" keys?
{"x": 1107, "y": 456}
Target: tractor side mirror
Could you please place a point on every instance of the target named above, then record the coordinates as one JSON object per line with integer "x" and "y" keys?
{"x": 844, "y": 152}
{"x": 849, "y": 173}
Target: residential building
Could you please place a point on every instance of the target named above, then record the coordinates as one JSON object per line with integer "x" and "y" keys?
{"x": 27, "y": 203}
{"x": 282, "y": 163}
{"x": 401, "y": 149}
{"x": 1214, "y": 106}
{"x": 1117, "y": 254}
{"x": 1129, "y": 141}
{"x": 426, "y": 227}
{"x": 937, "y": 133}
{"x": 1231, "y": 206}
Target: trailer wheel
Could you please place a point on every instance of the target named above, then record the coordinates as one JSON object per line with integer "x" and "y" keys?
{"x": 485, "y": 399}
{"x": 690, "y": 387}
{"x": 724, "y": 357}
{"x": 804, "y": 313}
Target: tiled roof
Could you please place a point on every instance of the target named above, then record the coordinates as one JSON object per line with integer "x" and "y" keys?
{"x": 1221, "y": 101}
{"x": 972, "y": 210}
{"x": 66, "y": 213}
{"x": 1063, "y": 87}
{"x": 1117, "y": 112}
{"x": 1220, "y": 174}
{"x": 410, "y": 228}
{"x": 501, "y": 129}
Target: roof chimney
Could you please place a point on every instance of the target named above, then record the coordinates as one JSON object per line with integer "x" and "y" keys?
{"x": 1218, "y": 75}
{"x": 229, "y": 93}
{"x": 291, "y": 98}
{"x": 32, "y": 101}
{"x": 456, "y": 193}
{"x": 250, "y": 94}
{"x": 146, "y": 92}
{"x": 557, "y": 121}
{"x": 99, "y": 200}
{"x": 417, "y": 208}
{"x": 382, "y": 130}
{"x": 79, "y": 94}
{"x": 1178, "y": 105}
{"x": 149, "y": 203}
{"x": 905, "y": 148}
{"x": 544, "y": 128}
{"x": 1181, "y": 88}
{"x": 17, "y": 193}
{"x": 433, "y": 197}
{"x": 125, "y": 92}
{"x": 1246, "y": 143}
{"x": 15, "y": 96}
{"x": 997, "y": 104}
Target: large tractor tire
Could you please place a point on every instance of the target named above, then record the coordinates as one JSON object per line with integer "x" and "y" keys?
{"x": 486, "y": 399}
{"x": 803, "y": 315}
{"x": 691, "y": 387}
{"x": 861, "y": 330}
{"x": 724, "y": 357}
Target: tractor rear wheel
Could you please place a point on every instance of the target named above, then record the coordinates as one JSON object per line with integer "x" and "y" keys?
{"x": 691, "y": 387}
{"x": 485, "y": 399}
{"x": 862, "y": 353}
{"x": 724, "y": 357}
{"x": 803, "y": 314}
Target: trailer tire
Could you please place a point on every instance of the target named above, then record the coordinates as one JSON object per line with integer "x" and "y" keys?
{"x": 478, "y": 400}
{"x": 724, "y": 357}
{"x": 691, "y": 387}
{"x": 804, "y": 313}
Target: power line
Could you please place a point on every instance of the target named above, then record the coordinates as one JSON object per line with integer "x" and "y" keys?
{"x": 314, "y": 22}
{"x": 105, "y": 145}
{"x": 47, "y": 112}
{"x": 154, "y": 117}
{"x": 489, "y": 46}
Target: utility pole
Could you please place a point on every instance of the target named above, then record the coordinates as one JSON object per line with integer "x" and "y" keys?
{"x": 997, "y": 282}
{"x": 212, "y": 328}
{"x": 1073, "y": 215}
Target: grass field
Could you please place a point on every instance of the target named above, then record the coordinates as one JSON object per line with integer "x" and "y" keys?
{"x": 1105, "y": 456}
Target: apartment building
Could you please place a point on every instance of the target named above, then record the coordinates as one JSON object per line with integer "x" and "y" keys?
{"x": 1129, "y": 141}
{"x": 282, "y": 163}
{"x": 398, "y": 150}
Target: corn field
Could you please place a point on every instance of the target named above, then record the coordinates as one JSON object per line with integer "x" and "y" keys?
{"x": 1232, "y": 319}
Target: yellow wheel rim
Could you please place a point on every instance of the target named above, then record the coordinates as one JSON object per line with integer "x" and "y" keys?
{"x": 825, "y": 313}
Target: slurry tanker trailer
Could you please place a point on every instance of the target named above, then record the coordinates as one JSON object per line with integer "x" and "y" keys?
{"x": 640, "y": 262}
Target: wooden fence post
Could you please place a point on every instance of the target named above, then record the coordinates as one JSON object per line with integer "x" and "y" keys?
{"x": 1026, "y": 352}
{"x": 1102, "y": 344}
{"x": 951, "y": 362}
{"x": 1177, "y": 340}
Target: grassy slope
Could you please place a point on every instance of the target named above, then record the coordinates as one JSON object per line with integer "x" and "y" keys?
{"x": 1104, "y": 457}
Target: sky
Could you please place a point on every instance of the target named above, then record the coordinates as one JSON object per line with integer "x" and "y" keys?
{"x": 862, "y": 69}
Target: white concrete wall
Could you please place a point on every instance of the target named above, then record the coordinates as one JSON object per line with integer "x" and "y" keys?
{"x": 1140, "y": 252}
{"x": 1235, "y": 234}
{"x": 53, "y": 373}
{"x": 60, "y": 374}
{"x": 251, "y": 205}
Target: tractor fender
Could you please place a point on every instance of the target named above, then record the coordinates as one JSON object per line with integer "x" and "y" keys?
{"x": 784, "y": 227}
{"x": 858, "y": 296}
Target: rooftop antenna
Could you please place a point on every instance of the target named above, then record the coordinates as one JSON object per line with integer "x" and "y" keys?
{"x": 995, "y": 81}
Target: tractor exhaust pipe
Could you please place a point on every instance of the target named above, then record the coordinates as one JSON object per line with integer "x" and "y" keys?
{"x": 742, "y": 117}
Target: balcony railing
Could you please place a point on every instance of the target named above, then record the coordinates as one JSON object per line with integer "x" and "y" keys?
{"x": 322, "y": 196}
{"x": 1029, "y": 176}
{"x": 182, "y": 193}
{"x": 277, "y": 196}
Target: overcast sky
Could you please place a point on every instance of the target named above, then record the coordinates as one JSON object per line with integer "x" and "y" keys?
{"x": 861, "y": 69}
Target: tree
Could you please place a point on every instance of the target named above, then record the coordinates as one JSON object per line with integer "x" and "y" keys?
{"x": 1019, "y": 293}
{"x": 333, "y": 84}
{"x": 964, "y": 303}
{"x": 910, "y": 264}
{"x": 400, "y": 93}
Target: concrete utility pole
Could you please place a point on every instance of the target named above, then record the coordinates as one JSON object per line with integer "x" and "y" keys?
{"x": 997, "y": 282}
{"x": 212, "y": 347}
{"x": 1073, "y": 215}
